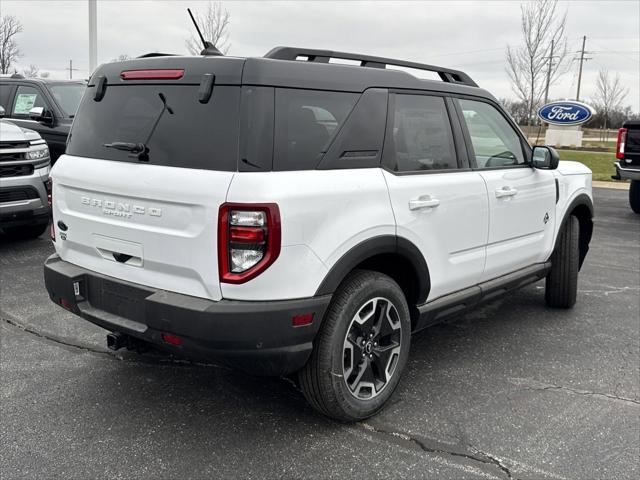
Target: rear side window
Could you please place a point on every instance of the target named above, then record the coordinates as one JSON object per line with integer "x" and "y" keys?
{"x": 27, "y": 98}
{"x": 188, "y": 133}
{"x": 421, "y": 137}
{"x": 306, "y": 121}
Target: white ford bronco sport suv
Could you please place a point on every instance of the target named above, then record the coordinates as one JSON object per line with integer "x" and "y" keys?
{"x": 291, "y": 214}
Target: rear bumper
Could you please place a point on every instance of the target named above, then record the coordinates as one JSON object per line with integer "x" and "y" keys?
{"x": 626, "y": 172}
{"x": 257, "y": 337}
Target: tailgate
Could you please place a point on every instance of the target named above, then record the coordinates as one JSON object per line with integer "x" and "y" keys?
{"x": 150, "y": 157}
{"x": 147, "y": 224}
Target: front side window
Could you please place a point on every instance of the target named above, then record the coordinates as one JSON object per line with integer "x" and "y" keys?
{"x": 27, "y": 98}
{"x": 495, "y": 142}
{"x": 421, "y": 137}
{"x": 306, "y": 121}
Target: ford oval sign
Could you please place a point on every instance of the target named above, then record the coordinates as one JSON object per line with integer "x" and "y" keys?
{"x": 565, "y": 113}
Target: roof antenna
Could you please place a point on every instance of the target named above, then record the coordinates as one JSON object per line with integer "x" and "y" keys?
{"x": 209, "y": 48}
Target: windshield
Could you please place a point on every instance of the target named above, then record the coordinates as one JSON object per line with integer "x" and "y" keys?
{"x": 68, "y": 96}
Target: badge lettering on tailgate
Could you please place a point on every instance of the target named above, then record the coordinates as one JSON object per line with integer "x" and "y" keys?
{"x": 120, "y": 209}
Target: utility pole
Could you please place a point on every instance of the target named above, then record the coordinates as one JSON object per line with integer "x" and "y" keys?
{"x": 546, "y": 90}
{"x": 71, "y": 69}
{"x": 93, "y": 36}
{"x": 582, "y": 60}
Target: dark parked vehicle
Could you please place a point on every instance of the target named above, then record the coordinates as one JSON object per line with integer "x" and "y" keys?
{"x": 628, "y": 164}
{"x": 44, "y": 105}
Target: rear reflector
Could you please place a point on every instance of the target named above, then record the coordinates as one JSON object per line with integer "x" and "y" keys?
{"x": 302, "y": 320}
{"x": 151, "y": 74}
{"x": 64, "y": 303}
{"x": 171, "y": 339}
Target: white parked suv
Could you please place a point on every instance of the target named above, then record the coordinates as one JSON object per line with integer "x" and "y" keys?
{"x": 290, "y": 214}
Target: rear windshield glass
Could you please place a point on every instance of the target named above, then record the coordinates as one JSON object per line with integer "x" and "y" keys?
{"x": 188, "y": 133}
{"x": 305, "y": 123}
{"x": 633, "y": 140}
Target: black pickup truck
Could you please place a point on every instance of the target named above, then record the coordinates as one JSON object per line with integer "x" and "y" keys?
{"x": 44, "y": 105}
{"x": 628, "y": 160}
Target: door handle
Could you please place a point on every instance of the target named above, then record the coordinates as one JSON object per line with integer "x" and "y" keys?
{"x": 506, "y": 192}
{"x": 424, "y": 201}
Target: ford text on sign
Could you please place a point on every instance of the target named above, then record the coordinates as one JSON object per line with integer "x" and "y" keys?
{"x": 565, "y": 113}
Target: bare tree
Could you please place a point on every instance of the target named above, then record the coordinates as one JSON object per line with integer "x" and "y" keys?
{"x": 32, "y": 71}
{"x": 214, "y": 25}
{"x": 529, "y": 65}
{"x": 609, "y": 94}
{"x": 10, "y": 26}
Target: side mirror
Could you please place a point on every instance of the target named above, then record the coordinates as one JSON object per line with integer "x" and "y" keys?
{"x": 545, "y": 158}
{"x": 39, "y": 114}
{"x": 1, "y": 111}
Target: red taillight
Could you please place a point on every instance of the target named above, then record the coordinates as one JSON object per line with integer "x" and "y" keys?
{"x": 64, "y": 303}
{"x": 171, "y": 339}
{"x": 246, "y": 234}
{"x": 152, "y": 74}
{"x": 248, "y": 240}
{"x": 622, "y": 138}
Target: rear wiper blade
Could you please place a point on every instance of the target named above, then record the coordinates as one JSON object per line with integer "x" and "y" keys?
{"x": 140, "y": 150}
{"x": 126, "y": 146}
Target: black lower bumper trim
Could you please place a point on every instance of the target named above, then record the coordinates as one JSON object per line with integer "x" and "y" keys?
{"x": 257, "y": 337}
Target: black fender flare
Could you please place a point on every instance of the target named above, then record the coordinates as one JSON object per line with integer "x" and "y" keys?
{"x": 586, "y": 223}
{"x": 382, "y": 244}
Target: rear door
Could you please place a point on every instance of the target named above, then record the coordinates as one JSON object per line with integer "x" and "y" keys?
{"x": 521, "y": 199}
{"x": 151, "y": 217}
{"x": 439, "y": 204}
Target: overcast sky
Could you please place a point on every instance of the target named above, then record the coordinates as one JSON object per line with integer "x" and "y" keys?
{"x": 471, "y": 36}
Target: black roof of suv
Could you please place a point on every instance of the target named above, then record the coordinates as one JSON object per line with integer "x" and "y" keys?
{"x": 303, "y": 68}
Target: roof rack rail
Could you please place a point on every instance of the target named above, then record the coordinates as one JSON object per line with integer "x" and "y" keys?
{"x": 323, "y": 56}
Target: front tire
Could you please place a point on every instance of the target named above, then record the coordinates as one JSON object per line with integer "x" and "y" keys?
{"x": 561, "y": 286}
{"x": 361, "y": 349}
{"x": 634, "y": 195}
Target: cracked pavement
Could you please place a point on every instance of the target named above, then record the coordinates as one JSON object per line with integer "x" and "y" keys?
{"x": 510, "y": 390}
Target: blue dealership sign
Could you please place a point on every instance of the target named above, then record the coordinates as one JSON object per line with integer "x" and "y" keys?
{"x": 565, "y": 113}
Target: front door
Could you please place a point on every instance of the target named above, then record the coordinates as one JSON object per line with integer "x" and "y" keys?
{"x": 521, "y": 198}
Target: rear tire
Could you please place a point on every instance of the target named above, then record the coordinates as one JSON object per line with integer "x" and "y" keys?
{"x": 360, "y": 350}
{"x": 634, "y": 195}
{"x": 562, "y": 281}
{"x": 25, "y": 232}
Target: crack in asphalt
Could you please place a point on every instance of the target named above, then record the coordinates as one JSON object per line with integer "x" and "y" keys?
{"x": 159, "y": 361}
{"x": 585, "y": 393}
{"x": 60, "y": 341}
{"x": 475, "y": 455}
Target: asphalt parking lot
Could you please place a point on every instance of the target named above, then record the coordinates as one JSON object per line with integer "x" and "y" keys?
{"x": 512, "y": 390}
